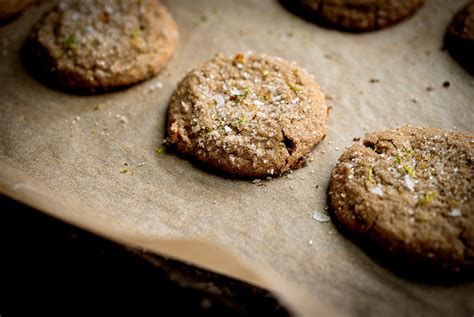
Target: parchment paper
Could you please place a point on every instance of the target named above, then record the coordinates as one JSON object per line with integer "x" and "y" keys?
{"x": 65, "y": 154}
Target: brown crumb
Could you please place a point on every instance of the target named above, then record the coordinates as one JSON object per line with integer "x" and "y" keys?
{"x": 329, "y": 108}
{"x": 374, "y": 80}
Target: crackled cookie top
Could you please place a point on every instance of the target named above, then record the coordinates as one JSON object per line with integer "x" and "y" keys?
{"x": 249, "y": 115}
{"x": 410, "y": 190}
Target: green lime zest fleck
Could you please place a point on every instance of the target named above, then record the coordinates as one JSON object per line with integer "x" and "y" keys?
{"x": 410, "y": 153}
{"x": 134, "y": 34}
{"x": 422, "y": 216}
{"x": 239, "y": 121}
{"x": 206, "y": 130}
{"x": 294, "y": 87}
{"x": 124, "y": 171}
{"x": 71, "y": 41}
{"x": 213, "y": 103}
{"x": 160, "y": 150}
{"x": 408, "y": 170}
{"x": 246, "y": 90}
{"x": 397, "y": 160}
{"x": 428, "y": 198}
{"x": 370, "y": 175}
{"x": 453, "y": 203}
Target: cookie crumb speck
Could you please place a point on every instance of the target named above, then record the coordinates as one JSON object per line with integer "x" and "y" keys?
{"x": 123, "y": 120}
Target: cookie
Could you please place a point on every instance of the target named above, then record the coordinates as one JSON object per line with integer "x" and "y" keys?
{"x": 11, "y": 8}
{"x": 356, "y": 15}
{"x": 459, "y": 38}
{"x": 411, "y": 192}
{"x": 94, "y": 45}
{"x": 248, "y": 115}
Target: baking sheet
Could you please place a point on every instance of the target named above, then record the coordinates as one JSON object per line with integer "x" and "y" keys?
{"x": 65, "y": 154}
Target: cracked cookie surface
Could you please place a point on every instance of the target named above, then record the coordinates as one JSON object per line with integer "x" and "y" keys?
{"x": 95, "y": 44}
{"x": 249, "y": 115}
{"x": 410, "y": 190}
{"x": 360, "y": 15}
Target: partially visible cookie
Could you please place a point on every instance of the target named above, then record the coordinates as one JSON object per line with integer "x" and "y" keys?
{"x": 10, "y": 8}
{"x": 411, "y": 191}
{"x": 248, "y": 115}
{"x": 459, "y": 38}
{"x": 94, "y": 44}
{"x": 358, "y": 15}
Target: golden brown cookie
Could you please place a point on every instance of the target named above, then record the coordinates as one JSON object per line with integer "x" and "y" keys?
{"x": 357, "y": 15}
{"x": 94, "y": 44}
{"x": 248, "y": 115}
{"x": 459, "y": 38}
{"x": 411, "y": 191}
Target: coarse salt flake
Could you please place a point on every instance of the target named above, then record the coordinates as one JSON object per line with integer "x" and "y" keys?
{"x": 455, "y": 212}
{"x": 377, "y": 190}
{"x": 227, "y": 129}
{"x": 409, "y": 183}
{"x": 219, "y": 99}
{"x": 235, "y": 92}
{"x": 320, "y": 217}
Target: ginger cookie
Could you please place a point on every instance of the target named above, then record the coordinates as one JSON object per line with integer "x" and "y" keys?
{"x": 94, "y": 45}
{"x": 459, "y": 38}
{"x": 356, "y": 15}
{"x": 411, "y": 192}
{"x": 249, "y": 115}
{"x": 11, "y": 8}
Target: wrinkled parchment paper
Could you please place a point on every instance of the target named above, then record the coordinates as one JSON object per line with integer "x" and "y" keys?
{"x": 66, "y": 154}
